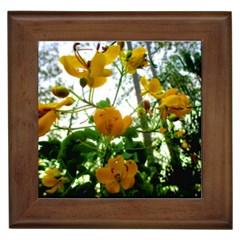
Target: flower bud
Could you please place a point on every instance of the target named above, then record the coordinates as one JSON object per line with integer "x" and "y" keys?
{"x": 121, "y": 44}
{"x": 69, "y": 101}
{"x": 141, "y": 111}
{"x": 129, "y": 54}
{"x": 60, "y": 91}
{"x": 173, "y": 117}
{"x": 83, "y": 82}
{"x": 146, "y": 105}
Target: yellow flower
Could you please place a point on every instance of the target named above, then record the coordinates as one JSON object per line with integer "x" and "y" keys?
{"x": 109, "y": 121}
{"x": 180, "y": 133}
{"x": 171, "y": 91}
{"x": 119, "y": 173}
{"x": 94, "y": 70}
{"x": 136, "y": 60}
{"x": 173, "y": 102}
{"x": 54, "y": 180}
{"x": 163, "y": 130}
{"x": 185, "y": 144}
{"x": 153, "y": 87}
{"x": 47, "y": 114}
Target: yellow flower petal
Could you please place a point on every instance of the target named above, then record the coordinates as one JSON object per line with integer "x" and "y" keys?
{"x": 180, "y": 133}
{"x": 71, "y": 65}
{"x": 97, "y": 65}
{"x": 96, "y": 82}
{"x": 104, "y": 175}
{"x": 116, "y": 163}
{"x": 53, "y": 171}
{"x": 164, "y": 113}
{"x": 115, "y": 127}
{"x": 46, "y": 121}
{"x": 53, "y": 189}
{"x": 144, "y": 82}
{"x": 65, "y": 102}
{"x": 109, "y": 121}
{"x": 154, "y": 85}
{"x": 181, "y": 112}
{"x": 111, "y": 54}
{"x": 113, "y": 187}
{"x": 127, "y": 183}
{"x": 130, "y": 68}
{"x": 47, "y": 114}
{"x": 171, "y": 101}
{"x": 107, "y": 73}
{"x": 137, "y": 57}
{"x": 98, "y": 115}
{"x": 49, "y": 180}
{"x": 73, "y": 61}
{"x": 132, "y": 168}
{"x": 137, "y": 60}
{"x": 171, "y": 91}
{"x": 127, "y": 120}
{"x": 185, "y": 144}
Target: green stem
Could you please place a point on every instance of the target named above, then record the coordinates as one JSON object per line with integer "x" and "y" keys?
{"x": 123, "y": 192}
{"x": 115, "y": 65}
{"x": 66, "y": 128}
{"x": 75, "y": 110}
{"x": 71, "y": 119}
{"x": 81, "y": 99}
{"x": 89, "y": 95}
{"x": 118, "y": 88}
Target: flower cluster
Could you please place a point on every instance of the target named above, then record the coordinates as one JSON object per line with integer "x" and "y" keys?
{"x": 173, "y": 102}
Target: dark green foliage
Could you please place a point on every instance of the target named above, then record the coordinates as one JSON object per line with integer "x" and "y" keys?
{"x": 49, "y": 149}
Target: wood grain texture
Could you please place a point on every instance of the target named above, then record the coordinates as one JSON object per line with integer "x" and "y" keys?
{"x": 213, "y": 210}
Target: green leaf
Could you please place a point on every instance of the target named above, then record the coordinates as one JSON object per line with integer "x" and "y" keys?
{"x": 135, "y": 157}
{"x": 164, "y": 123}
{"x": 86, "y": 147}
{"x": 68, "y": 144}
{"x": 131, "y": 133}
{"x": 129, "y": 144}
{"x": 104, "y": 103}
{"x": 90, "y": 120}
{"x": 92, "y": 134}
{"x": 138, "y": 150}
{"x": 127, "y": 155}
{"x": 118, "y": 148}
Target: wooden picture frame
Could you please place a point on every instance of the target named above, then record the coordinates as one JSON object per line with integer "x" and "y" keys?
{"x": 212, "y": 211}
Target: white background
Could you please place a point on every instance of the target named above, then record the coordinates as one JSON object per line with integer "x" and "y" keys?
{"x": 119, "y": 5}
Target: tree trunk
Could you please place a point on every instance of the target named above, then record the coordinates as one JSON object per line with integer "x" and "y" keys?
{"x": 143, "y": 119}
